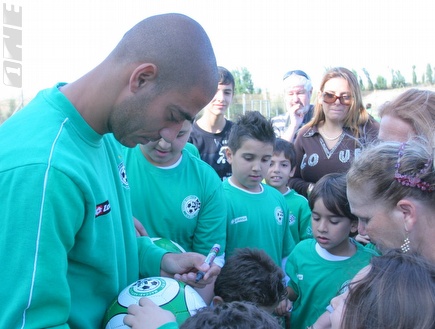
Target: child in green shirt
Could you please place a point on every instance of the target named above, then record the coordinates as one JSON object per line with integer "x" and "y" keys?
{"x": 320, "y": 268}
{"x": 282, "y": 167}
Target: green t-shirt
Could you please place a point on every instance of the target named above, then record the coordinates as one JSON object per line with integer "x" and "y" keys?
{"x": 192, "y": 149}
{"x": 258, "y": 220}
{"x": 299, "y": 216}
{"x": 317, "y": 280}
{"x": 184, "y": 203}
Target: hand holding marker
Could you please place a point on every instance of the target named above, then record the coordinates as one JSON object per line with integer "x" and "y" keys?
{"x": 209, "y": 260}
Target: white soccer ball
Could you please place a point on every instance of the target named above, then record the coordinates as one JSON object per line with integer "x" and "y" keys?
{"x": 172, "y": 295}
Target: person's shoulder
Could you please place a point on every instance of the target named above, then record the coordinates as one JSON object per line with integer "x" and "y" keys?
{"x": 364, "y": 251}
{"x": 307, "y": 130}
{"x": 303, "y": 245}
{"x": 192, "y": 149}
{"x": 273, "y": 191}
{"x": 201, "y": 165}
{"x": 197, "y": 130}
{"x": 227, "y": 128}
{"x": 292, "y": 194}
{"x": 372, "y": 123}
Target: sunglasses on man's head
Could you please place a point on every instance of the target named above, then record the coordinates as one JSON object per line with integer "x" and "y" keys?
{"x": 331, "y": 98}
{"x": 297, "y": 72}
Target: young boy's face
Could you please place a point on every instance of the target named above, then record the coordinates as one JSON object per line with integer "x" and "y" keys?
{"x": 221, "y": 100}
{"x": 250, "y": 164}
{"x": 332, "y": 231}
{"x": 279, "y": 172}
{"x": 162, "y": 153}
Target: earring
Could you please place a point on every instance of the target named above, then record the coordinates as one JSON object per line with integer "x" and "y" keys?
{"x": 406, "y": 245}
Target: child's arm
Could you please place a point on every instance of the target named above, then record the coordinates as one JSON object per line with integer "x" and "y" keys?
{"x": 286, "y": 305}
{"x": 148, "y": 315}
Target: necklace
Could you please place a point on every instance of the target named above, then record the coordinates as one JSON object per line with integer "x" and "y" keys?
{"x": 330, "y": 138}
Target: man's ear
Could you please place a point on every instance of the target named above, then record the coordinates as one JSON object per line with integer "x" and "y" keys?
{"x": 141, "y": 74}
{"x": 409, "y": 212}
{"x": 217, "y": 300}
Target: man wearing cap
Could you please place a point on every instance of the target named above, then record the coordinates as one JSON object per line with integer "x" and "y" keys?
{"x": 297, "y": 94}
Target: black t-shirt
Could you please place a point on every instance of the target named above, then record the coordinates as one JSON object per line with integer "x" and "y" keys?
{"x": 212, "y": 148}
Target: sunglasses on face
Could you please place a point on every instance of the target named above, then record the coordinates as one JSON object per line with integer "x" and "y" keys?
{"x": 331, "y": 98}
{"x": 297, "y": 72}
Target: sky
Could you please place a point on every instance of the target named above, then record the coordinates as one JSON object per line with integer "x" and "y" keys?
{"x": 62, "y": 40}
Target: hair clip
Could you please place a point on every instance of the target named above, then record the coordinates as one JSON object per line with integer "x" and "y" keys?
{"x": 413, "y": 181}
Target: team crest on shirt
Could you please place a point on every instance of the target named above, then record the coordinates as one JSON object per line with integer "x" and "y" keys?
{"x": 279, "y": 215}
{"x": 123, "y": 174}
{"x": 190, "y": 206}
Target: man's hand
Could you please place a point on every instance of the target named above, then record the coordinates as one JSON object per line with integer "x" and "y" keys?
{"x": 185, "y": 266}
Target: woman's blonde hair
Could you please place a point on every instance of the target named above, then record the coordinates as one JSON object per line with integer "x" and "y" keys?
{"x": 398, "y": 292}
{"x": 417, "y": 108}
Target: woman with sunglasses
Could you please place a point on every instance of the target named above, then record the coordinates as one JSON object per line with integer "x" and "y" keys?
{"x": 339, "y": 129}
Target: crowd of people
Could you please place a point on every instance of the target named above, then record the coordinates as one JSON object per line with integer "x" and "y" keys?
{"x": 324, "y": 216}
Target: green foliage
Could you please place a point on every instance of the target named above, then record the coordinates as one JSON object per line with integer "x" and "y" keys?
{"x": 243, "y": 81}
{"x": 429, "y": 78}
{"x": 414, "y": 76}
{"x": 360, "y": 82}
{"x": 381, "y": 83}
{"x": 369, "y": 81}
{"x": 398, "y": 80}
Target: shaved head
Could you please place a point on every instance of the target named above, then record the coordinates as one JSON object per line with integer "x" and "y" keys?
{"x": 177, "y": 45}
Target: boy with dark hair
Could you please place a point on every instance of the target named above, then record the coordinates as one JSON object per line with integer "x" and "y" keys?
{"x": 210, "y": 132}
{"x": 282, "y": 167}
{"x": 250, "y": 275}
{"x": 257, "y": 213}
{"x": 319, "y": 268}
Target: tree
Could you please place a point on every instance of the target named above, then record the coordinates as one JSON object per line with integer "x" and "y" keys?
{"x": 429, "y": 78}
{"x": 360, "y": 82}
{"x": 414, "y": 76}
{"x": 398, "y": 80}
{"x": 243, "y": 81}
{"x": 381, "y": 83}
{"x": 369, "y": 81}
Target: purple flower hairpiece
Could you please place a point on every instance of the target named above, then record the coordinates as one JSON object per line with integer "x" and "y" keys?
{"x": 413, "y": 181}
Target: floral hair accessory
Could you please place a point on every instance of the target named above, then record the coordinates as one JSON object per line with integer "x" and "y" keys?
{"x": 413, "y": 181}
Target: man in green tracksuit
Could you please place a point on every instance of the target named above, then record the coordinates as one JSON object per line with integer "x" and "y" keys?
{"x": 68, "y": 243}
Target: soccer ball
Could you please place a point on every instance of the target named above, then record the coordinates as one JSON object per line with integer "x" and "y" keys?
{"x": 172, "y": 295}
{"x": 168, "y": 245}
